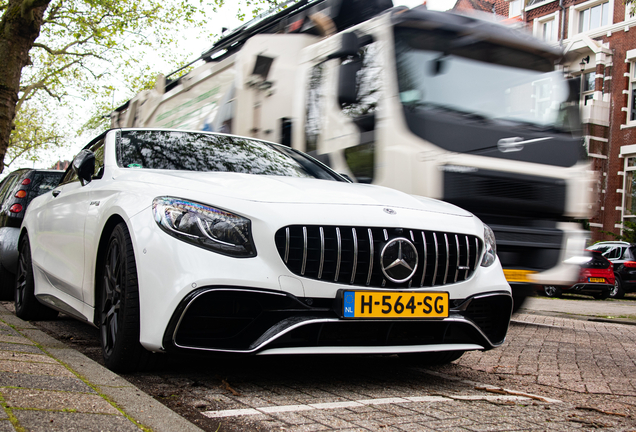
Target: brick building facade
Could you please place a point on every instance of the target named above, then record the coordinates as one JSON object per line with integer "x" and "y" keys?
{"x": 598, "y": 38}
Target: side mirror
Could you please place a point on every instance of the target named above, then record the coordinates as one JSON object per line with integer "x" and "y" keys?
{"x": 347, "y": 82}
{"x": 349, "y": 47}
{"x": 84, "y": 166}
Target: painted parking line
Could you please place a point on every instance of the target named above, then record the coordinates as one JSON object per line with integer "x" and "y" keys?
{"x": 359, "y": 403}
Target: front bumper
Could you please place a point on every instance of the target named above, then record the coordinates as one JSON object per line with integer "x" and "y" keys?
{"x": 257, "y": 321}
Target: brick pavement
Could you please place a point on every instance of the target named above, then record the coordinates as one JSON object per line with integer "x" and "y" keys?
{"x": 552, "y": 374}
{"x": 45, "y": 386}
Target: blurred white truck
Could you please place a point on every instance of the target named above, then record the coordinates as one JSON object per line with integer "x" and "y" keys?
{"x": 436, "y": 104}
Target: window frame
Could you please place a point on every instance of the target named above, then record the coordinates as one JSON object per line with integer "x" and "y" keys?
{"x": 538, "y": 26}
{"x": 510, "y": 9}
{"x": 628, "y": 170}
{"x": 631, "y": 95}
{"x": 575, "y": 16}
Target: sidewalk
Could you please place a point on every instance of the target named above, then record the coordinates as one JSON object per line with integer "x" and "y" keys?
{"x": 619, "y": 312}
{"x": 46, "y": 386}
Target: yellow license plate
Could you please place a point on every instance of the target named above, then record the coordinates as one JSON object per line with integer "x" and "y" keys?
{"x": 514, "y": 275}
{"x": 374, "y": 304}
{"x": 597, "y": 280}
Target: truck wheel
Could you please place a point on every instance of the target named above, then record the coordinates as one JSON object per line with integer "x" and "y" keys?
{"x": 118, "y": 305}
{"x": 617, "y": 292}
{"x": 431, "y": 358}
{"x": 552, "y": 291}
{"x": 27, "y": 306}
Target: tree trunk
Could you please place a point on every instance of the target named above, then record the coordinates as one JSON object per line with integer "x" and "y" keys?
{"x": 19, "y": 27}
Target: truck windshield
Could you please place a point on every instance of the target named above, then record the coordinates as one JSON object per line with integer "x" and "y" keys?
{"x": 438, "y": 71}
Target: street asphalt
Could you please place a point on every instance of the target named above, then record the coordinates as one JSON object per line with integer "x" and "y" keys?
{"x": 47, "y": 386}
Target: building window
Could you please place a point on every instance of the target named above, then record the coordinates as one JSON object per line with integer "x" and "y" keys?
{"x": 629, "y": 209}
{"x": 548, "y": 31}
{"x": 594, "y": 17}
{"x": 632, "y": 93}
{"x": 589, "y": 85}
{"x": 514, "y": 8}
{"x": 546, "y": 27}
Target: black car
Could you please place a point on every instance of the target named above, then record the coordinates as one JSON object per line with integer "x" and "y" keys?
{"x": 16, "y": 192}
{"x": 623, "y": 257}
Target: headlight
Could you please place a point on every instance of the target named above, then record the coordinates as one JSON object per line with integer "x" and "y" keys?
{"x": 491, "y": 247}
{"x": 205, "y": 226}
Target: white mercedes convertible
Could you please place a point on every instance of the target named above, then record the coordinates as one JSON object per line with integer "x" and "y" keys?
{"x": 175, "y": 240}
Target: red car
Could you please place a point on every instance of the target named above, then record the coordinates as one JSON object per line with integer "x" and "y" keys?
{"x": 596, "y": 278}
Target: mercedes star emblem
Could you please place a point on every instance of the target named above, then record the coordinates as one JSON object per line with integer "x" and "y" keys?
{"x": 398, "y": 260}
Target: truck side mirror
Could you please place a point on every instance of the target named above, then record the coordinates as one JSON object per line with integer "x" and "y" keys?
{"x": 84, "y": 166}
{"x": 349, "y": 47}
{"x": 347, "y": 82}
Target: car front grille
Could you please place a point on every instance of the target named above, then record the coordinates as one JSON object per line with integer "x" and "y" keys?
{"x": 351, "y": 255}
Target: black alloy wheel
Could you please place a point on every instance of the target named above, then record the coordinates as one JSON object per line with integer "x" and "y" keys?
{"x": 118, "y": 305}
{"x": 27, "y": 307}
{"x": 552, "y": 291}
{"x": 617, "y": 292}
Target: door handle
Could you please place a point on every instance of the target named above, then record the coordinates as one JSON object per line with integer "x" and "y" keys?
{"x": 56, "y": 192}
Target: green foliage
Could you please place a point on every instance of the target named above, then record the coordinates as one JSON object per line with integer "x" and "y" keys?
{"x": 629, "y": 232}
{"x": 34, "y": 133}
{"x": 86, "y": 48}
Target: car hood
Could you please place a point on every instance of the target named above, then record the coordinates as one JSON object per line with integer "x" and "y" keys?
{"x": 289, "y": 190}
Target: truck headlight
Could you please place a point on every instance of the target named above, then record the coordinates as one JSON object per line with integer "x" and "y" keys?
{"x": 491, "y": 247}
{"x": 204, "y": 226}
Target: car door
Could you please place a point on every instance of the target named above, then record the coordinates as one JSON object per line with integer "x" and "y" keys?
{"x": 59, "y": 247}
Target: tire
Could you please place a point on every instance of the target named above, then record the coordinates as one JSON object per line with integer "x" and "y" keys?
{"x": 432, "y": 358}
{"x": 118, "y": 305}
{"x": 552, "y": 291}
{"x": 617, "y": 292}
{"x": 27, "y": 307}
{"x": 7, "y": 284}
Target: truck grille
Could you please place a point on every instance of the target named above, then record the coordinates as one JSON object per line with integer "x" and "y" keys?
{"x": 351, "y": 255}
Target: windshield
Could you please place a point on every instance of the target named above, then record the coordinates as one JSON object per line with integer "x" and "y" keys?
{"x": 192, "y": 151}
{"x": 442, "y": 72}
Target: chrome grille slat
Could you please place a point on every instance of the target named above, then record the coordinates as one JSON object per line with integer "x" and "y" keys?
{"x": 286, "y": 245}
{"x": 371, "y": 256}
{"x": 467, "y": 254}
{"x": 345, "y": 255}
{"x": 447, "y": 258}
{"x": 478, "y": 254}
{"x": 457, "y": 263}
{"x": 322, "y": 252}
{"x": 355, "y": 255}
{"x": 339, "y": 240}
{"x": 302, "y": 270}
{"x": 436, "y": 259}
{"x": 424, "y": 264}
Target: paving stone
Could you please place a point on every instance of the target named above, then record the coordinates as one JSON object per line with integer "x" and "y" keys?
{"x": 6, "y": 426}
{"x": 19, "y": 347}
{"x": 35, "y": 368}
{"x": 30, "y": 357}
{"x": 45, "y": 421}
{"x": 44, "y": 382}
{"x": 57, "y": 400}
